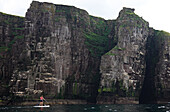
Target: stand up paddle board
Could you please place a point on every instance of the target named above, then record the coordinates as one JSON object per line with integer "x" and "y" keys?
{"x": 42, "y": 106}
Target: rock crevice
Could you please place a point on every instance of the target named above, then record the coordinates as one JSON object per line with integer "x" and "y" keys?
{"x": 63, "y": 52}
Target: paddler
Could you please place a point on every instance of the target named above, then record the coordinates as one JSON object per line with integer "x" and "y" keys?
{"x": 41, "y": 100}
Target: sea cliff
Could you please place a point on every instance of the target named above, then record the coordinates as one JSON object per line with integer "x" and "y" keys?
{"x": 63, "y": 52}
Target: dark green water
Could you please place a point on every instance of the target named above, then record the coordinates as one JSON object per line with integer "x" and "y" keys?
{"x": 89, "y": 108}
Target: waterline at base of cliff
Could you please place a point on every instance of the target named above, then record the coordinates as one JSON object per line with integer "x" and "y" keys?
{"x": 62, "y": 52}
{"x": 91, "y": 108}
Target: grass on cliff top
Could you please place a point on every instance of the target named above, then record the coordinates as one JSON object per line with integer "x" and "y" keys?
{"x": 131, "y": 15}
{"x": 11, "y": 15}
{"x": 162, "y": 33}
{"x": 162, "y": 36}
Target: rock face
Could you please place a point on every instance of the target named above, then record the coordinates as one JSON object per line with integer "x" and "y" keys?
{"x": 11, "y": 42}
{"x": 162, "y": 73}
{"x": 58, "y": 61}
{"x": 63, "y": 52}
{"x": 156, "y": 84}
{"x": 122, "y": 68}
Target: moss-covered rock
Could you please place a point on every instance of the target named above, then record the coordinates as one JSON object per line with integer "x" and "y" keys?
{"x": 63, "y": 52}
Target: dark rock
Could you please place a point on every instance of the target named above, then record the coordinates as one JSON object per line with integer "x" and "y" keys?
{"x": 11, "y": 45}
{"x": 123, "y": 67}
{"x": 63, "y": 52}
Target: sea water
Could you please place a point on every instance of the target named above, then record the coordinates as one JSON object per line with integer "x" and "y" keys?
{"x": 90, "y": 108}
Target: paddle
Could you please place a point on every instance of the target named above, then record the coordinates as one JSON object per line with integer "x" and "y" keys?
{"x": 46, "y": 101}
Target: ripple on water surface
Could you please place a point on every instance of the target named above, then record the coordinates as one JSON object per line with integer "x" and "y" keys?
{"x": 89, "y": 108}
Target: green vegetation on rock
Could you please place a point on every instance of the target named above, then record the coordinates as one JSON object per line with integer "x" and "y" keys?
{"x": 75, "y": 88}
{"x": 11, "y": 15}
{"x": 4, "y": 48}
{"x": 130, "y": 19}
{"x": 117, "y": 89}
{"x": 118, "y": 48}
{"x": 97, "y": 40}
{"x": 18, "y": 28}
{"x": 19, "y": 37}
{"x": 111, "y": 54}
{"x": 97, "y": 44}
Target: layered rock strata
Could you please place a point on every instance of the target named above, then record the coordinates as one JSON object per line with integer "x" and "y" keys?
{"x": 60, "y": 53}
{"x": 63, "y": 52}
{"x": 11, "y": 45}
{"x": 123, "y": 67}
